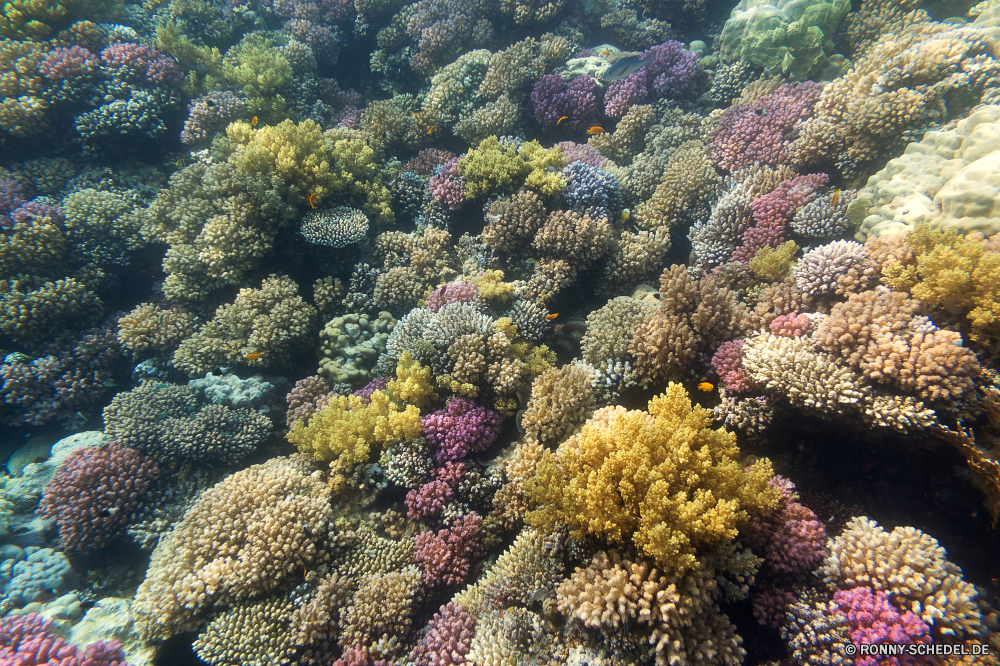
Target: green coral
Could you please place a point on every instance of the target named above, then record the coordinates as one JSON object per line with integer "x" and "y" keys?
{"x": 261, "y": 72}
{"x": 773, "y": 265}
{"x": 790, "y": 36}
{"x": 498, "y": 167}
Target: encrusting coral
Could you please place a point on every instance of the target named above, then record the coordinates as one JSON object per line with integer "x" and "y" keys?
{"x": 630, "y": 475}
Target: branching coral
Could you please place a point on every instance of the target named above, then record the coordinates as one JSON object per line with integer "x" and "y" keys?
{"x": 633, "y": 475}
{"x": 692, "y": 320}
{"x": 248, "y": 534}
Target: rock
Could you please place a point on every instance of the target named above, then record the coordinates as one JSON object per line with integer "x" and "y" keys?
{"x": 112, "y": 619}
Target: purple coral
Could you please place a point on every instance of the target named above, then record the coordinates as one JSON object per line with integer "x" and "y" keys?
{"x": 141, "y": 64}
{"x": 30, "y": 640}
{"x": 727, "y": 364}
{"x": 464, "y": 292}
{"x": 790, "y": 538}
{"x": 758, "y": 133}
{"x": 377, "y": 384}
{"x": 670, "y": 68}
{"x": 577, "y": 102}
{"x": 460, "y": 428}
{"x": 94, "y": 491}
{"x": 625, "y": 93}
{"x": 446, "y": 557}
{"x": 581, "y": 152}
{"x": 209, "y": 113}
{"x": 772, "y": 211}
{"x": 872, "y": 620}
{"x": 448, "y": 639}
{"x": 10, "y": 198}
{"x": 447, "y": 185}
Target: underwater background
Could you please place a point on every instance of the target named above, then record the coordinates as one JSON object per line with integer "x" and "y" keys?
{"x": 497, "y": 332}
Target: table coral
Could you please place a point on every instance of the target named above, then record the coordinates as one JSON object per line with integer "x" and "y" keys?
{"x": 632, "y": 475}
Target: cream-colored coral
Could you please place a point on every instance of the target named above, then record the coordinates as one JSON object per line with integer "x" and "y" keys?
{"x": 574, "y": 237}
{"x": 614, "y": 593}
{"x": 248, "y": 634}
{"x": 151, "y": 328}
{"x": 636, "y": 256}
{"x": 611, "y": 328}
{"x": 908, "y": 565}
{"x": 315, "y": 624}
{"x": 687, "y": 178}
{"x": 627, "y": 140}
{"x": 379, "y": 616}
{"x": 250, "y": 533}
{"x": 561, "y": 400}
{"x": 811, "y": 379}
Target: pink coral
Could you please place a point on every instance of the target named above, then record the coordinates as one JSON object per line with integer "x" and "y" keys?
{"x": 464, "y": 292}
{"x": 428, "y": 500}
{"x": 460, "y": 428}
{"x": 790, "y": 539}
{"x": 448, "y": 186}
{"x": 758, "y": 133}
{"x": 30, "y": 640}
{"x": 446, "y": 557}
{"x": 94, "y": 491}
{"x": 581, "y": 152}
{"x": 625, "y": 93}
{"x": 139, "y": 63}
{"x": 71, "y": 64}
{"x": 726, "y": 362}
{"x": 871, "y": 620}
{"x": 358, "y": 656}
{"x": 772, "y": 211}
{"x": 448, "y": 638}
{"x": 308, "y": 396}
{"x": 791, "y": 325}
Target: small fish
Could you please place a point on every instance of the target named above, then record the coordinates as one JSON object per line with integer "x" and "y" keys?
{"x": 605, "y": 53}
{"x": 531, "y": 262}
{"x": 430, "y": 130}
{"x": 86, "y": 348}
{"x": 835, "y": 198}
{"x": 596, "y": 129}
{"x": 622, "y": 68}
{"x": 209, "y": 103}
{"x": 705, "y": 386}
{"x": 253, "y": 356}
{"x": 253, "y": 121}
{"x": 109, "y": 383}
{"x": 560, "y": 120}
{"x": 626, "y": 213}
{"x": 311, "y": 197}
{"x": 552, "y": 316}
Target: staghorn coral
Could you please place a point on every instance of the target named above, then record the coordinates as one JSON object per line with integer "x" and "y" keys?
{"x": 247, "y": 535}
{"x": 911, "y": 567}
{"x": 879, "y": 333}
{"x": 632, "y": 475}
{"x": 692, "y": 320}
{"x": 260, "y": 327}
{"x": 616, "y": 594}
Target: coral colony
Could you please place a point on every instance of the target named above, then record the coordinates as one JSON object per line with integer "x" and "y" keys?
{"x": 442, "y": 332}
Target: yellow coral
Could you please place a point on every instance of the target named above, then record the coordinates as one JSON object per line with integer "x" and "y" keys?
{"x": 493, "y": 166}
{"x": 490, "y": 286}
{"x": 295, "y": 153}
{"x": 958, "y": 274}
{"x": 773, "y": 265}
{"x": 413, "y": 381}
{"x": 662, "y": 478}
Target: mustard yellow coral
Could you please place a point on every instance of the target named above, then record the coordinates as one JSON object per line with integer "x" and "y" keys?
{"x": 663, "y": 478}
{"x": 494, "y": 166}
{"x": 960, "y": 275}
{"x": 413, "y": 381}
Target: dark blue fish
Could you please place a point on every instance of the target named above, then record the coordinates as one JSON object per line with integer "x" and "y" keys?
{"x": 623, "y": 68}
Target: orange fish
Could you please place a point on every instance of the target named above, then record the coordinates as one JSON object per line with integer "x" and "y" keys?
{"x": 596, "y": 129}
{"x": 430, "y": 130}
{"x": 705, "y": 386}
{"x": 253, "y": 356}
{"x": 552, "y": 316}
{"x": 560, "y": 120}
{"x": 253, "y": 121}
{"x": 311, "y": 197}
{"x": 835, "y": 197}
